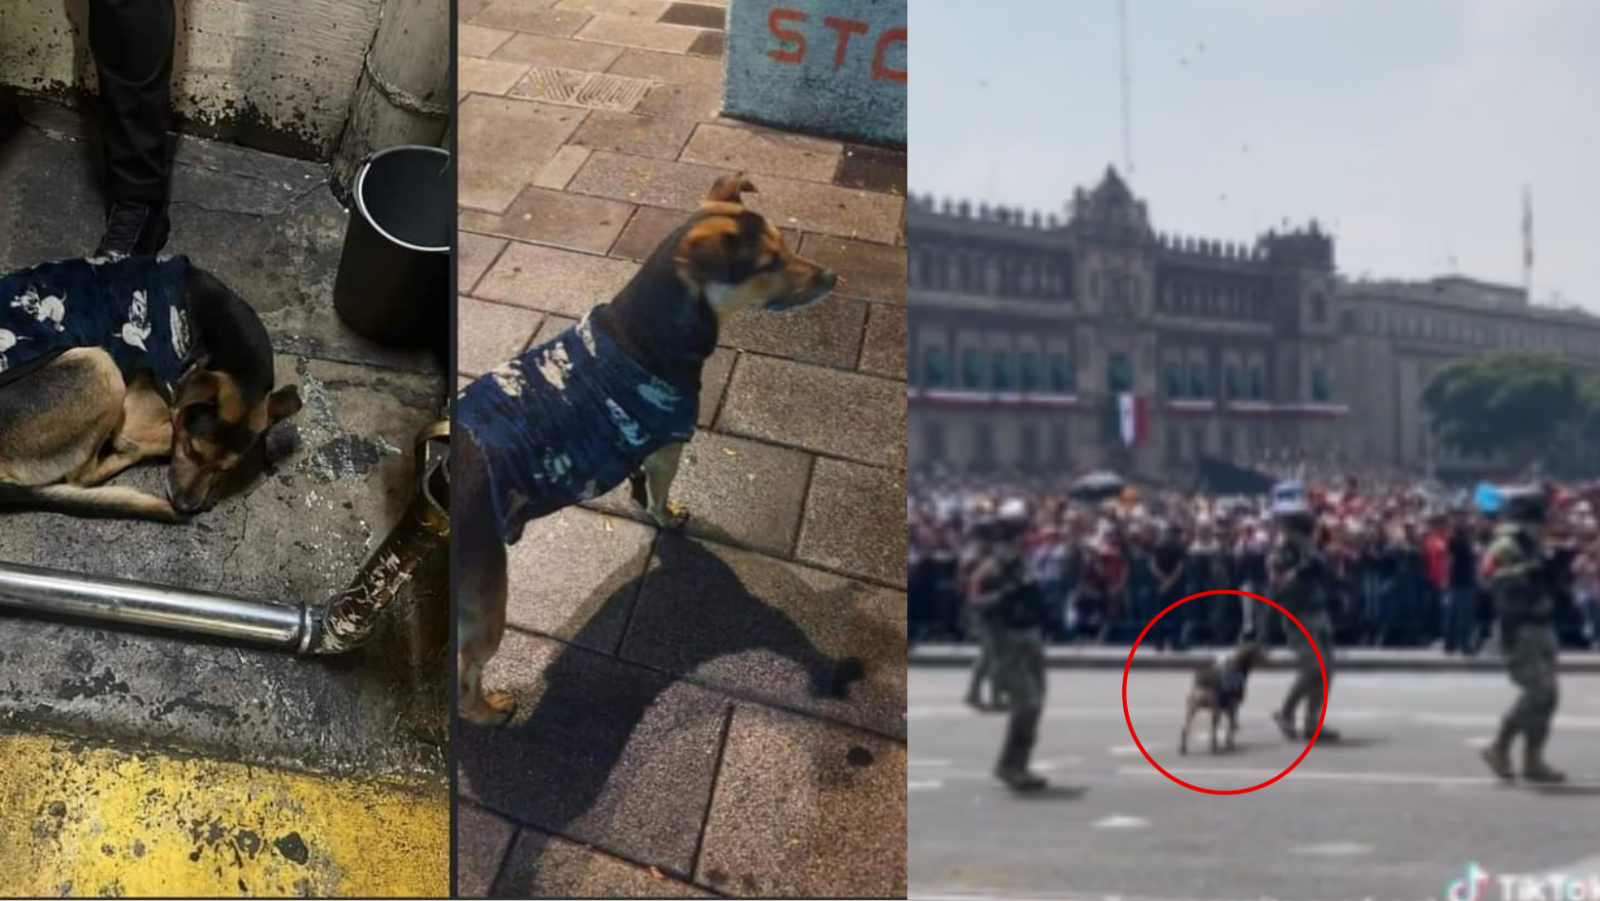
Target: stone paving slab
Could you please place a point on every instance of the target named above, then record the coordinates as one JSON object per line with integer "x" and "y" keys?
{"x": 563, "y": 53}
{"x": 637, "y": 10}
{"x": 482, "y": 841}
{"x": 552, "y": 280}
{"x": 635, "y": 135}
{"x": 738, "y": 491}
{"x": 836, "y": 413}
{"x": 477, "y": 41}
{"x": 711, "y": 44}
{"x": 545, "y": 866}
{"x": 850, "y": 523}
{"x": 491, "y": 334}
{"x": 698, "y": 15}
{"x": 534, "y": 16}
{"x": 805, "y": 809}
{"x": 487, "y": 76}
{"x": 557, "y": 218}
{"x": 466, "y": 9}
{"x": 763, "y": 628}
{"x": 561, "y": 168}
{"x": 652, "y": 182}
{"x": 601, "y": 752}
{"x": 641, "y": 34}
{"x": 764, "y": 151}
{"x": 826, "y": 333}
{"x": 667, "y": 67}
{"x": 873, "y": 169}
{"x": 474, "y": 255}
{"x": 884, "y": 350}
{"x": 694, "y": 102}
{"x": 848, "y": 213}
{"x": 870, "y": 271}
{"x": 575, "y": 574}
{"x": 510, "y": 140}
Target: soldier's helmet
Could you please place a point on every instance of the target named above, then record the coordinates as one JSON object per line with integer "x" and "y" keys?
{"x": 1526, "y": 504}
{"x": 1295, "y": 515}
{"x": 1013, "y": 517}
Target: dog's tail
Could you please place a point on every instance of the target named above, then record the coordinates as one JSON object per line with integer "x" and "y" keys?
{"x": 106, "y": 501}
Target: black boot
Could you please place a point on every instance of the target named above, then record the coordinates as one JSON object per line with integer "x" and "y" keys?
{"x": 1498, "y": 754}
{"x": 134, "y": 229}
{"x": 1021, "y": 734}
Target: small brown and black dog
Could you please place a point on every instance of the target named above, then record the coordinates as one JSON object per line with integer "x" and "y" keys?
{"x": 612, "y": 399}
{"x": 184, "y": 371}
{"x": 1219, "y": 686}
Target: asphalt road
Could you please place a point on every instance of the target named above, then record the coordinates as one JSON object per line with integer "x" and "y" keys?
{"x": 1396, "y": 811}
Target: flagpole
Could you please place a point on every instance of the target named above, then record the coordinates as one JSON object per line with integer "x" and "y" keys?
{"x": 1527, "y": 244}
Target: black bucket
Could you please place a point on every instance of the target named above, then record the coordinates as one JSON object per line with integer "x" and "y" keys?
{"x": 394, "y": 277}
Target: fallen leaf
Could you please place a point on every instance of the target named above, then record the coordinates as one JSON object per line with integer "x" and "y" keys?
{"x": 730, "y": 452}
{"x": 607, "y": 521}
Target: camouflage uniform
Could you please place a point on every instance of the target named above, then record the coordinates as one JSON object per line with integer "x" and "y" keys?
{"x": 1524, "y": 608}
{"x": 983, "y": 668}
{"x": 1292, "y": 568}
{"x": 1013, "y": 614}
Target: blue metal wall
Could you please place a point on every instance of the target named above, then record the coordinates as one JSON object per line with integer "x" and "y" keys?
{"x": 831, "y": 67}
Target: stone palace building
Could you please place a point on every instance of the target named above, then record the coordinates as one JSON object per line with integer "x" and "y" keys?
{"x": 1039, "y": 343}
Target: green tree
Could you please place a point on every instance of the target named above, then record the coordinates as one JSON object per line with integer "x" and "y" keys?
{"x": 1521, "y": 404}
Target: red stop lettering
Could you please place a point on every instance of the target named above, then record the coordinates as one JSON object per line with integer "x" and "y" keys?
{"x": 775, "y": 20}
{"x": 879, "y": 69}
{"x": 845, "y": 27}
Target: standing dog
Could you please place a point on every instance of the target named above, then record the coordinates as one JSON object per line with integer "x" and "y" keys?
{"x": 613, "y": 398}
{"x": 1219, "y": 686}
{"x": 105, "y": 363}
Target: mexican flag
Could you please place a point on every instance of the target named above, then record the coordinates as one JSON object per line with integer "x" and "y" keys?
{"x": 1130, "y": 417}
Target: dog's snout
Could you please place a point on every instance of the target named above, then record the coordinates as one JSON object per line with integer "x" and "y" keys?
{"x": 827, "y": 279}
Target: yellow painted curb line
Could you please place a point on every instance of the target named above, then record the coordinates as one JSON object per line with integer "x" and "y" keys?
{"x": 85, "y": 821}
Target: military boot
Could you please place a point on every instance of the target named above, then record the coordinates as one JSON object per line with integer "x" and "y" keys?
{"x": 1535, "y": 769}
{"x": 1498, "y": 754}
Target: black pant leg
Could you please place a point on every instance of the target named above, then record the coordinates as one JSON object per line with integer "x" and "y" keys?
{"x": 132, "y": 43}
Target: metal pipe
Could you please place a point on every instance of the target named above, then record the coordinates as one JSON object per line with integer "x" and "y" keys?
{"x": 131, "y": 603}
{"x": 340, "y": 624}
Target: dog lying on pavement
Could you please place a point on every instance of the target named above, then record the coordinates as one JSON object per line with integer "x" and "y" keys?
{"x": 1219, "y": 686}
{"x": 105, "y": 363}
{"x": 613, "y": 398}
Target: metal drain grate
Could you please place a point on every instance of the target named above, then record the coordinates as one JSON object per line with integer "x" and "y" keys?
{"x": 591, "y": 90}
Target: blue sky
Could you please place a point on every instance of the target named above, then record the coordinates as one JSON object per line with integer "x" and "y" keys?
{"x": 1409, "y": 127}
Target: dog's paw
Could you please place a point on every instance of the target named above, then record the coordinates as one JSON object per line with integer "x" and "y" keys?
{"x": 498, "y": 708}
{"x": 675, "y": 518}
{"x": 836, "y": 681}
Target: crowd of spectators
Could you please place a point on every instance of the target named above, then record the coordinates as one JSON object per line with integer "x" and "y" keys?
{"x": 1403, "y": 562}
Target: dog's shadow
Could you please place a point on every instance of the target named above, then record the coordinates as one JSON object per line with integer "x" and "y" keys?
{"x": 553, "y": 764}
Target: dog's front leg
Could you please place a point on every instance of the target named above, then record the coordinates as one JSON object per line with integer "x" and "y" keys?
{"x": 143, "y": 433}
{"x": 1216, "y": 721}
{"x": 1233, "y": 725}
{"x": 660, "y": 468}
{"x": 1188, "y": 721}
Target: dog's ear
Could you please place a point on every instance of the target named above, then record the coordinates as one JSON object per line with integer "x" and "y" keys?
{"x": 705, "y": 255}
{"x": 282, "y": 404}
{"x": 730, "y": 189}
{"x": 199, "y": 386}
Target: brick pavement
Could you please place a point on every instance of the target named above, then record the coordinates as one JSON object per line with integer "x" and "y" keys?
{"x": 669, "y": 740}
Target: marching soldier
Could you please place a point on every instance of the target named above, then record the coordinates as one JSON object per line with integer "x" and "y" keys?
{"x": 1518, "y": 579}
{"x": 975, "y": 552}
{"x": 1014, "y": 614}
{"x": 1293, "y": 570}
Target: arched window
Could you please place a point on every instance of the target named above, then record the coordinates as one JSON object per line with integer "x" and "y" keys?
{"x": 935, "y": 368}
{"x": 1004, "y": 378}
{"x": 1258, "y": 383}
{"x": 971, "y": 368}
{"x": 1233, "y": 381}
{"x": 1063, "y": 378}
{"x": 1119, "y": 374}
{"x": 1199, "y": 385}
{"x": 1029, "y": 372}
{"x": 1177, "y": 386}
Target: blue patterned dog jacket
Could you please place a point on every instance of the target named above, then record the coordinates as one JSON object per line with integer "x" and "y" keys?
{"x": 568, "y": 421}
{"x": 132, "y": 307}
